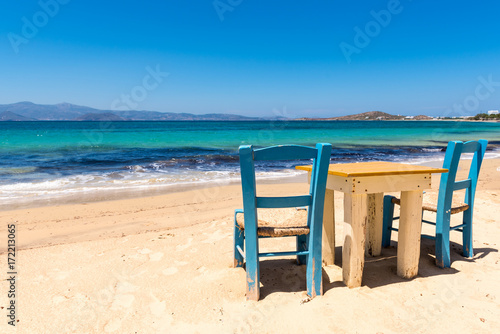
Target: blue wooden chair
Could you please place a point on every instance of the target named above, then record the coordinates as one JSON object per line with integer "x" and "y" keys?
{"x": 248, "y": 228}
{"x": 446, "y": 204}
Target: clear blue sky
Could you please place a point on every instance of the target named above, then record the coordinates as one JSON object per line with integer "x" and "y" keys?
{"x": 254, "y": 57}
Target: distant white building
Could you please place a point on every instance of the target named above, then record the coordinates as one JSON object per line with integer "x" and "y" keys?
{"x": 493, "y": 112}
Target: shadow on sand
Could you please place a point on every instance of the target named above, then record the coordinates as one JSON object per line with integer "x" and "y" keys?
{"x": 284, "y": 275}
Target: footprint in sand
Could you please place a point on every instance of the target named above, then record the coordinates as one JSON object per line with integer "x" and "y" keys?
{"x": 113, "y": 325}
{"x": 216, "y": 236}
{"x": 155, "y": 256}
{"x": 59, "y": 275}
{"x": 40, "y": 279}
{"x": 125, "y": 287}
{"x": 163, "y": 323}
{"x": 144, "y": 251}
{"x": 202, "y": 269}
{"x": 58, "y": 299}
{"x": 158, "y": 308}
{"x": 174, "y": 270}
{"x": 170, "y": 271}
{"x": 123, "y": 298}
{"x": 105, "y": 296}
{"x": 122, "y": 302}
{"x": 180, "y": 248}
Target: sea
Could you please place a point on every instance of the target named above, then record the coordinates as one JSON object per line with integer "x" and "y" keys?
{"x": 53, "y": 162}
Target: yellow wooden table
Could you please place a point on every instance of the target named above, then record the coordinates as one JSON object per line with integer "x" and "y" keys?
{"x": 363, "y": 185}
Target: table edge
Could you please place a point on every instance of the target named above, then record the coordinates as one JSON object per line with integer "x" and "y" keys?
{"x": 431, "y": 170}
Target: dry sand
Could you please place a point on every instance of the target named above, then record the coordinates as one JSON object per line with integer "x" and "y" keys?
{"x": 163, "y": 264}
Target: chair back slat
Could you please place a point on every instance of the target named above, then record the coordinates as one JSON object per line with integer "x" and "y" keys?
{"x": 285, "y": 152}
{"x": 284, "y": 202}
{"x": 459, "y": 185}
{"x": 471, "y": 147}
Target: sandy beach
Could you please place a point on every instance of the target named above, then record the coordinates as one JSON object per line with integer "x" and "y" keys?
{"x": 163, "y": 264}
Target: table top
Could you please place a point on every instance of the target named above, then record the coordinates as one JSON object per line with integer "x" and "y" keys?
{"x": 376, "y": 168}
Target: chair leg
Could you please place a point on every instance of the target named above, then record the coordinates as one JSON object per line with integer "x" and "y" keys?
{"x": 388, "y": 218}
{"x": 302, "y": 241}
{"x": 314, "y": 269}
{"x": 443, "y": 240}
{"x": 252, "y": 265}
{"x": 467, "y": 234}
{"x": 239, "y": 240}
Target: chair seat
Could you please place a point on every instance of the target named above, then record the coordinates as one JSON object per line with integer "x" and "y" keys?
{"x": 429, "y": 203}
{"x": 279, "y": 222}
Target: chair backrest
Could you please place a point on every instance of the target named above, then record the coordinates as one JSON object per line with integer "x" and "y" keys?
{"x": 448, "y": 183}
{"x": 314, "y": 200}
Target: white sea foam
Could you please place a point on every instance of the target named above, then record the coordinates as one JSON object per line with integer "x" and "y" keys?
{"x": 431, "y": 149}
{"x": 136, "y": 181}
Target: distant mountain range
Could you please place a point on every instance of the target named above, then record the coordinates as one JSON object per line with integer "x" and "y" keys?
{"x": 28, "y": 111}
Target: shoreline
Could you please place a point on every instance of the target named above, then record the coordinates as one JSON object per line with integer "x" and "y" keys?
{"x": 103, "y": 195}
{"x": 123, "y": 194}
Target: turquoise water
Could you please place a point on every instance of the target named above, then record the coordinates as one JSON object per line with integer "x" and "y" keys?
{"x": 57, "y": 159}
{"x": 229, "y": 135}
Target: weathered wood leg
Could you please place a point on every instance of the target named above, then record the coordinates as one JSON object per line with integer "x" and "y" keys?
{"x": 328, "y": 241}
{"x": 410, "y": 227}
{"x": 314, "y": 277}
{"x": 314, "y": 267}
{"x": 252, "y": 264}
{"x": 374, "y": 224}
{"x": 253, "y": 272}
{"x": 353, "y": 252}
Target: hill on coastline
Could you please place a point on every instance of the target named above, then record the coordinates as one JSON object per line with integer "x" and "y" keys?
{"x": 422, "y": 118}
{"x": 8, "y": 116}
{"x": 368, "y": 116}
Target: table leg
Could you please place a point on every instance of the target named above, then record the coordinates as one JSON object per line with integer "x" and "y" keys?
{"x": 410, "y": 227}
{"x": 353, "y": 252}
{"x": 328, "y": 240}
{"x": 374, "y": 225}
